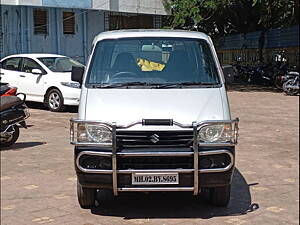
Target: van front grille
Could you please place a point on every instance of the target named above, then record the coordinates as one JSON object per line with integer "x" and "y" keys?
{"x": 150, "y": 139}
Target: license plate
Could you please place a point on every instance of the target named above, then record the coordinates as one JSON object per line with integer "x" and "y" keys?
{"x": 154, "y": 178}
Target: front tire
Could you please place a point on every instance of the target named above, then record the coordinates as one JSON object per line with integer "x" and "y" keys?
{"x": 278, "y": 82}
{"x": 86, "y": 196}
{"x": 289, "y": 91}
{"x": 220, "y": 196}
{"x": 55, "y": 101}
{"x": 12, "y": 138}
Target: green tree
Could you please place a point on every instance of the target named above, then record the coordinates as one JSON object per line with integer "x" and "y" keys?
{"x": 191, "y": 14}
{"x": 279, "y": 13}
{"x": 274, "y": 14}
{"x": 220, "y": 17}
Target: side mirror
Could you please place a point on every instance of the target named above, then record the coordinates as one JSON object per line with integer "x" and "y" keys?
{"x": 36, "y": 71}
{"x": 77, "y": 74}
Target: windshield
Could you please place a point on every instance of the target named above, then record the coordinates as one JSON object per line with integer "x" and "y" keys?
{"x": 152, "y": 61}
{"x": 59, "y": 64}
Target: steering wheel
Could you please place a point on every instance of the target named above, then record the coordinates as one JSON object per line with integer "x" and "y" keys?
{"x": 124, "y": 74}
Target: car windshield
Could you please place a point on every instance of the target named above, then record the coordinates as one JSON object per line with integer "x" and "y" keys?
{"x": 152, "y": 61}
{"x": 59, "y": 64}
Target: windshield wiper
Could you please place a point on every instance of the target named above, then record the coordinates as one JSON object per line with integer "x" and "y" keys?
{"x": 154, "y": 85}
{"x": 180, "y": 85}
{"x": 116, "y": 85}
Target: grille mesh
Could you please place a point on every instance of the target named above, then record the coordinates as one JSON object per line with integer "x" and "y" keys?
{"x": 150, "y": 139}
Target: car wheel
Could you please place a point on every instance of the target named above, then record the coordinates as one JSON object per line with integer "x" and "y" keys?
{"x": 11, "y": 139}
{"x": 220, "y": 196}
{"x": 55, "y": 101}
{"x": 86, "y": 196}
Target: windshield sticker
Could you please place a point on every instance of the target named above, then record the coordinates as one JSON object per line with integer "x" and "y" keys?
{"x": 147, "y": 65}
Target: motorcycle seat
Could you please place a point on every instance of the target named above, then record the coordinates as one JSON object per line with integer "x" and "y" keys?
{"x": 292, "y": 73}
{"x": 7, "y": 102}
{"x": 3, "y": 89}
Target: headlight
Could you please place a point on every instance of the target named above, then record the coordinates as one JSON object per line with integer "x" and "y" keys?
{"x": 216, "y": 133}
{"x": 94, "y": 133}
{"x": 71, "y": 84}
{"x": 99, "y": 134}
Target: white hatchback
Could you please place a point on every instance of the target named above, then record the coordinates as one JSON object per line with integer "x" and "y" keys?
{"x": 43, "y": 78}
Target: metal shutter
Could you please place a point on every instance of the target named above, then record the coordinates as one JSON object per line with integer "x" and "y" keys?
{"x": 69, "y": 22}
{"x": 40, "y": 21}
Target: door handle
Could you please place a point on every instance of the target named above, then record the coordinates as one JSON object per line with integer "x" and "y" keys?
{"x": 1, "y": 73}
{"x": 22, "y": 75}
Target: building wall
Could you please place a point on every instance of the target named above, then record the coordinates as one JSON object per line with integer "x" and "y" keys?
{"x": 284, "y": 41}
{"x": 18, "y": 35}
{"x": 92, "y": 17}
{"x": 9, "y": 2}
{"x": 155, "y": 7}
{"x": 281, "y": 37}
{"x": 131, "y": 6}
{"x": 68, "y": 4}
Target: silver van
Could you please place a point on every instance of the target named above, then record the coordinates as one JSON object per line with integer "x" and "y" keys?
{"x": 153, "y": 116}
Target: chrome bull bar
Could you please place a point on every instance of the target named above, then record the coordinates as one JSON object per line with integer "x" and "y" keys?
{"x": 195, "y": 153}
{"x": 150, "y": 154}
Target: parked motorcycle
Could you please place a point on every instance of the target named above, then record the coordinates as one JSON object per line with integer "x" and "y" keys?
{"x": 262, "y": 75}
{"x": 13, "y": 113}
{"x": 282, "y": 74}
{"x": 265, "y": 74}
{"x": 243, "y": 72}
{"x": 291, "y": 85}
{"x": 7, "y": 90}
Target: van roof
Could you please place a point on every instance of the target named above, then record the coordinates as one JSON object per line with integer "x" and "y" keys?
{"x": 150, "y": 33}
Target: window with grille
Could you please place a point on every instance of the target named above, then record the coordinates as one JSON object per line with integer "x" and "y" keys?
{"x": 40, "y": 21}
{"x": 69, "y": 22}
{"x": 116, "y": 21}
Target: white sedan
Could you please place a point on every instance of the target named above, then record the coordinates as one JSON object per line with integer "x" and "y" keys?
{"x": 43, "y": 78}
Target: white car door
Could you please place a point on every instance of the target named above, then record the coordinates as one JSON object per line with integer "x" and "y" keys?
{"x": 10, "y": 71}
{"x": 32, "y": 84}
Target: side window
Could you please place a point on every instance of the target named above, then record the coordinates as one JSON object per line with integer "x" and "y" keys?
{"x": 29, "y": 65}
{"x": 11, "y": 64}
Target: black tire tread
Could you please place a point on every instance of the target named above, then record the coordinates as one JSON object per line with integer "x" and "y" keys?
{"x": 220, "y": 196}
{"x": 86, "y": 196}
{"x": 16, "y": 135}
{"x": 278, "y": 83}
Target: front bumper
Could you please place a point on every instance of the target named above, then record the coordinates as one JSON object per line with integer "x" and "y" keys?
{"x": 71, "y": 101}
{"x": 102, "y": 179}
{"x": 71, "y": 95}
{"x": 190, "y": 179}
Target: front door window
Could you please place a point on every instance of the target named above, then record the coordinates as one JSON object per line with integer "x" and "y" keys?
{"x": 29, "y": 65}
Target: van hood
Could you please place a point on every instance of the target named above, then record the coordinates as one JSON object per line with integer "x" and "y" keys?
{"x": 125, "y": 106}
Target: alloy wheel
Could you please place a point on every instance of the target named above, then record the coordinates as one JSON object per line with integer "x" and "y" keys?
{"x": 54, "y": 100}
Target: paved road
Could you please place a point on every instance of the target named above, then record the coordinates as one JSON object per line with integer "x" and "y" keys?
{"x": 38, "y": 183}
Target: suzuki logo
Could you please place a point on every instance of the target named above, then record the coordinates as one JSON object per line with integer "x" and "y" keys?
{"x": 154, "y": 138}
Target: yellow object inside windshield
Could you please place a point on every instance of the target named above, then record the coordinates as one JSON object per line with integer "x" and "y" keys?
{"x": 147, "y": 65}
